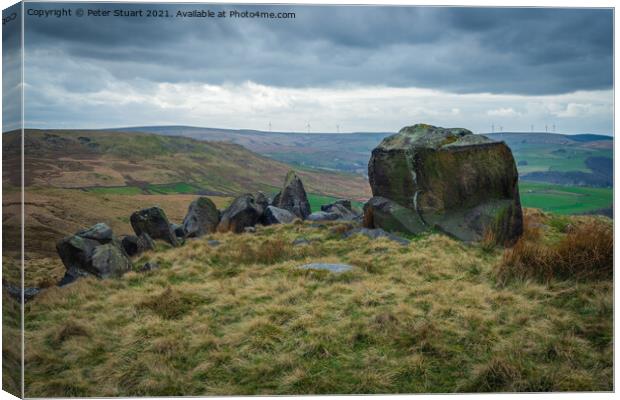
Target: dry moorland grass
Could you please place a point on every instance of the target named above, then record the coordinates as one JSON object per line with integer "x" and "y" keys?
{"x": 239, "y": 318}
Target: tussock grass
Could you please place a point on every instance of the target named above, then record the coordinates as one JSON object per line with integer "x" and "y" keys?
{"x": 584, "y": 252}
{"x": 239, "y": 318}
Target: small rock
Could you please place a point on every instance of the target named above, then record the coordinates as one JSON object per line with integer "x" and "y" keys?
{"x": 300, "y": 242}
{"x": 213, "y": 243}
{"x": 322, "y": 216}
{"x": 149, "y": 266}
{"x": 249, "y": 229}
{"x": 16, "y": 292}
{"x": 375, "y": 234}
{"x": 335, "y": 268}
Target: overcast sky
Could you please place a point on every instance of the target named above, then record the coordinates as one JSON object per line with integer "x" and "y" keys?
{"x": 363, "y": 68}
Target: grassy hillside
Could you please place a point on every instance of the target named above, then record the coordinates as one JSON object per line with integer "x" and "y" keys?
{"x": 118, "y": 162}
{"x": 239, "y": 318}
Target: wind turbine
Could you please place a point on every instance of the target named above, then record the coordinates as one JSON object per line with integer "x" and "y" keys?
{"x": 308, "y": 126}
{"x": 338, "y": 128}
{"x": 269, "y": 126}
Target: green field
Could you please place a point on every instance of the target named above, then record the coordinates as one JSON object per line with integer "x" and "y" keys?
{"x": 126, "y": 190}
{"x": 564, "y": 199}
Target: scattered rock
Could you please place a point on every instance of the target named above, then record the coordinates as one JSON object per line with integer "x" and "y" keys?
{"x": 243, "y": 212}
{"x": 301, "y": 241}
{"x": 134, "y": 245}
{"x": 149, "y": 266}
{"x": 322, "y": 216}
{"x": 375, "y": 234}
{"x": 293, "y": 196}
{"x": 154, "y": 222}
{"x": 275, "y": 215}
{"x": 335, "y": 268}
{"x": 213, "y": 243}
{"x": 340, "y": 210}
{"x": 450, "y": 179}
{"x": 93, "y": 251}
{"x": 15, "y": 291}
{"x": 341, "y": 202}
{"x": 202, "y": 218}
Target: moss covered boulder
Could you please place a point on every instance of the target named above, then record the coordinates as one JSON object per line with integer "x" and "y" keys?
{"x": 452, "y": 180}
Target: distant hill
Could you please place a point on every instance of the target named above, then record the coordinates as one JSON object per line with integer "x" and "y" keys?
{"x": 331, "y": 151}
{"x": 151, "y": 163}
{"x": 541, "y": 156}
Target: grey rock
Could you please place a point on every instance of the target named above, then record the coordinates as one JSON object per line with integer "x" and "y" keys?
{"x": 293, "y": 196}
{"x": 213, "y": 243}
{"x": 15, "y": 291}
{"x": 318, "y": 216}
{"x": 342, "y": 202}
{"x": 335, "y": 268}
{"x": 202, "y": 218}
{"x": 178, "y": 230}
{"x": 93, "y": 251}
{"x": 375, "y": 234}
{"x": 149, "y": 266}
{"x": 154, "y": 222}
{"x": 134, "y": 245}
{"x": 275, "y": 215}
{"x": 262, "y": 200}
{"x": 242, "y": 213}
{"x": 301, "y": 241}
{"x": 249, "y": 229}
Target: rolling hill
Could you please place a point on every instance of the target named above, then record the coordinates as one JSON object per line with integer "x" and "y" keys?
{"x": 77, "y": 178}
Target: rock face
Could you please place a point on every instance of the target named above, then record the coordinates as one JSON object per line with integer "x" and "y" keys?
{"x": 242, "y": 213}
{"x": 93, "y": 251}
{"x": 275, "y": 215}
{"x": 154, "y": 222}
{"x": 293, "y": 197}
{"x": 202, "y": 218}
{"x": 448, "y": 179}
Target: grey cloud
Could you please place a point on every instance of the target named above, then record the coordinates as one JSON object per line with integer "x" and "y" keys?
{"x": 465, "y": 50}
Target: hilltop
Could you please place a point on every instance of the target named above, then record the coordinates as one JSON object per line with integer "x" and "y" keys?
{"x": 237, "y": 317}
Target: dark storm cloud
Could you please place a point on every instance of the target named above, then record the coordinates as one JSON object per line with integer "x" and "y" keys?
{"x": 463, "y": 50}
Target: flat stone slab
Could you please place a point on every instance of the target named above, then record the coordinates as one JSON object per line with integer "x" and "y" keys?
{"x": 335, "y": 268}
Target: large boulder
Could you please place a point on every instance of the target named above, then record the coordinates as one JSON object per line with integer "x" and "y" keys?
{"x": 243, "y": 212}
{"x": 449, "y": 179}
{"x": 94, "y": 251}
{"x": 154, "y": 222}
{"x": 275, "y": 215}
{"x": 293, "y": 196}
{"x": 202, "y": 218}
